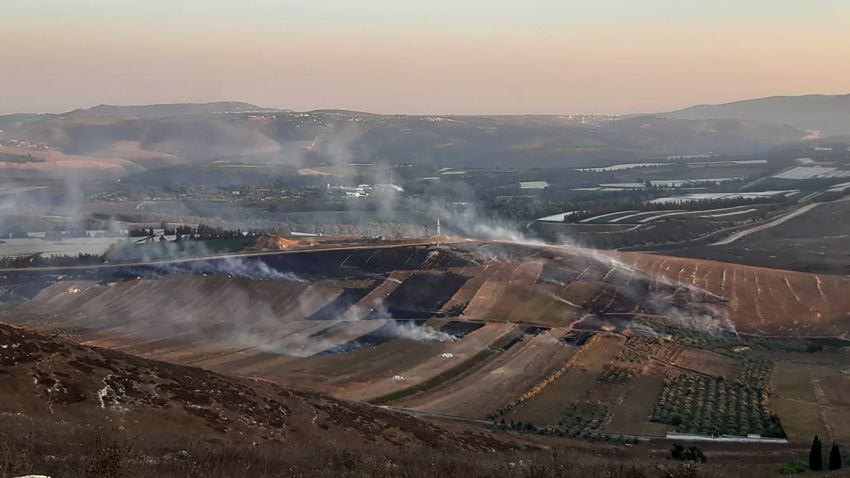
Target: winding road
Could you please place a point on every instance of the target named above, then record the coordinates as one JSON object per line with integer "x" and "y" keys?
{"x": 769, "y": 225}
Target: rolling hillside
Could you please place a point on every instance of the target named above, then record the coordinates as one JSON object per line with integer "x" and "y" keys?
{"x": 46, "y": 376}
{"x": 557, "y": 341}
{"x": 324, "y": 320}
{"x": 121, "y": 140}
{"x": 827, "y": 114}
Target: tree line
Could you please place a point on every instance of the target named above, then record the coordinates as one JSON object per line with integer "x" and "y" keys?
{"x": 200, "y": 232}
{"x": 816, "y": 456}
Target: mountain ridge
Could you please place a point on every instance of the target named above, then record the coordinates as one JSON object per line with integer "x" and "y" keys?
{"x": 105, "y": 138}
{"x": 828, "y": 114}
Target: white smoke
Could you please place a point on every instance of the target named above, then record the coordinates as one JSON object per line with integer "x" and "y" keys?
{"x": 643, "y": 329}
{"x": 187, "y": 258}
{"x": 410, "y": 330}
{"x": 706, "y": 318}
{"x": 240, "y": 267}
{"x": 256, "y": 333}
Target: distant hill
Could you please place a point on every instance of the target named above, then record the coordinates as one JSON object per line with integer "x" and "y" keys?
{"x": 828, "y": 114}
{"x": 119, "y": 140}
{"x": 177, "y": 109}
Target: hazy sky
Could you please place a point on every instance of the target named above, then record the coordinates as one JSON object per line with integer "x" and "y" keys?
{"x": 420, "y": 56}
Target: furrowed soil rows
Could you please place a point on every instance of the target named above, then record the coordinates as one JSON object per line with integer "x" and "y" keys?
{"x": 335, "y": 328}
{"x": 709, "y": 363}
{"x": 374, "y": 298}
{"x": 512, "y": 301}
{"x": 499, "y": 381}
{"x": 460, "y": 299}
{"x": 767, "y": 301}
{"x": 422, "y": 294}
{"x": 432, "y": 366}
{"x": 631, "y": 417}
{"x": 546, "y": 407}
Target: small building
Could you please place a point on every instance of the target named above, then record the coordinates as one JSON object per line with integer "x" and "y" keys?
{"x": 533, "y": 184}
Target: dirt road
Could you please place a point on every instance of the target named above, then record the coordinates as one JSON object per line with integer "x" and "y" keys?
{"x": 762, "y": 227}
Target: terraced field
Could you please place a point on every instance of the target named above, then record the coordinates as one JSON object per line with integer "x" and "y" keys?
{"x": 510, "y": 373}
{"x": 533, "y": 335}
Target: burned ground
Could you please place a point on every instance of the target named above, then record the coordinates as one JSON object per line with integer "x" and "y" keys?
{"x": 537, "y": 331}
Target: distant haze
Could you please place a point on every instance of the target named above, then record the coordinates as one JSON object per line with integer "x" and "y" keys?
{"x": 413, "y": 56}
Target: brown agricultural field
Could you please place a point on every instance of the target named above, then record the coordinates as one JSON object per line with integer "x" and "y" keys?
{"x": 708, "y": 363}
{"x": 483, "y": 330}
{"x": 760, "y": 301}
{"x": 577, "y": 382}
{"x": 499, "y": 381}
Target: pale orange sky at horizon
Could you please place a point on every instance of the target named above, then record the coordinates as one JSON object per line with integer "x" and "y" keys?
{"x": 461, "y": 57}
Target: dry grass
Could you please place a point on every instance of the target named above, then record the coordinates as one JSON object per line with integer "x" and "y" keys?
{"x": 632, "y": 415}
{"x": 709, "y": 363}
{"x": 60, "y": 449}
{"x": 546, "y": 407}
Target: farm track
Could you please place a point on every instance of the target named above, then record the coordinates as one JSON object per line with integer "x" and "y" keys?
{"x": 823, "y": 403}
{"x": 763, "y": 227}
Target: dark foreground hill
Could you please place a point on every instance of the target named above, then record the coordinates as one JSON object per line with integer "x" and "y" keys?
{"x": 73, "y": 411}
{"x": 94, "y": 412}
{"x": 46, "y": 376}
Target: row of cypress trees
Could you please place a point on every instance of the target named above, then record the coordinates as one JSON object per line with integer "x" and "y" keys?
{"x": 816, "y": 456}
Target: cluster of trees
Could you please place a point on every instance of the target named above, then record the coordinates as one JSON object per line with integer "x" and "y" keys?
{"x": 201, "y": 232}
{"x": 756, "y": 373}
{"x": 713, "y": 406}
{"x": 528, "y": 210}
{"x": 816, "y": 456}
{"x": 724, "y": 344}
{"x": 210, "y": 232}
{"x": 637, "y": 349}
{"x": 692, "y": 453}
{"x": 583, "y": 434}
{"x": 38, "y": 260}
{"x": 140, "y": 232}
{"x": 615, "y": 374}
{"x": 537, "y": 389}
{"x": 581, "y": 416}
{"x": 372, "y": 228}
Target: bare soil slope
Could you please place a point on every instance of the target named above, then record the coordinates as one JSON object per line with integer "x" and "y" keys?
{"x": 50, "y": 377}
{"x": 761, "y": 301}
